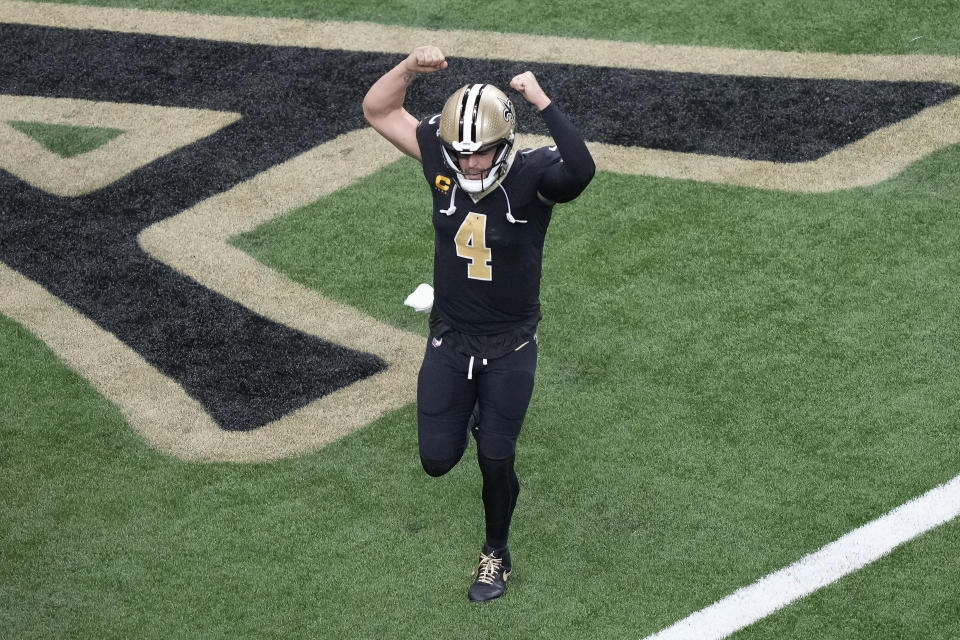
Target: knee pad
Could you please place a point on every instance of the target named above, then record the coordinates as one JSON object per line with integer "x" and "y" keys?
{"x": 495, "y": 447}
{"x": 436, "y": 468}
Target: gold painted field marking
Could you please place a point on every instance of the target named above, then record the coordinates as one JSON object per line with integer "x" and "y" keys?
{"x": 149, "y": 132}
{"x": 877, "y": 157}
{"x": 195, "y": 241}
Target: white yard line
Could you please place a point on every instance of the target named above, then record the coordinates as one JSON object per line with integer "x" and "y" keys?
{"x": 842, "y": 557}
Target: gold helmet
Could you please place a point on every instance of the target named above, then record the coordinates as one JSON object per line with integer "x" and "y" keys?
{"x": 475, "y": 119}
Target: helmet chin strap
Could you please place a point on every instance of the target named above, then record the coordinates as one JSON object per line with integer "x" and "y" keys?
{"x": 452, "y": 209}
{"x": 477, "y": 186}
{"x": 478, "y": 189}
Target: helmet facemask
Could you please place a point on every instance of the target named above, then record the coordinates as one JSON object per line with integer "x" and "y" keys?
{"x": 476, "y": 119}
{"x": 497, "y": 171}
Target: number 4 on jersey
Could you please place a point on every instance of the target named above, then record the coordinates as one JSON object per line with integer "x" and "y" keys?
{"x": 472, "y": 245}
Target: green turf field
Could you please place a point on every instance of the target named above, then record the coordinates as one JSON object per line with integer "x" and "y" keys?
{"x": 728, "y": 380}
{"x": 839, "y": 26}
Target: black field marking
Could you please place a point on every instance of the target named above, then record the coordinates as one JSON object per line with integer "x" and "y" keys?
{"x": 751, "y": 118}
{"x": 246, "y": 370}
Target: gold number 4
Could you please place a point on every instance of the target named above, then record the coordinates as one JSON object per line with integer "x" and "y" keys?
{"x": 471, "y": 241}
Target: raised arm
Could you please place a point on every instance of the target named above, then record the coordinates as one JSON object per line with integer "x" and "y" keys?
{"x": 383, "y": 104}
{"x": 566, "y": 180}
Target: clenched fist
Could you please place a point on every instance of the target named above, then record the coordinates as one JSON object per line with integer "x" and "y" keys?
{"x": 526, "y": 83}
{"x": 426, "y": 59}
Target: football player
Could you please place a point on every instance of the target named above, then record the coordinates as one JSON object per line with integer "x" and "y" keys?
{"x": 491, "y": 208}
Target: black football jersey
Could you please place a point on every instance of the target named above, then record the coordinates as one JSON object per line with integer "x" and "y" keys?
{"x": 486, "y": 270}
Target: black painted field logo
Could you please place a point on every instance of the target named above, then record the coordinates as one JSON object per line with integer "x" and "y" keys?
{"x": 117, "y": 257}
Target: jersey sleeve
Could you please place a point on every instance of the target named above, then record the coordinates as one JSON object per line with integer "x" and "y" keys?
{"x": 427, "y": 132}
{"x": 430, "y": 156}
{"x": 567, "y": 179}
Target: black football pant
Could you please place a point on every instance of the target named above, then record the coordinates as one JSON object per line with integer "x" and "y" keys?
{"x": 449, "y": 385}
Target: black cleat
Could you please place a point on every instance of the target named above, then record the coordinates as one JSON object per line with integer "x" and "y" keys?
{"x": 492, "y": 572}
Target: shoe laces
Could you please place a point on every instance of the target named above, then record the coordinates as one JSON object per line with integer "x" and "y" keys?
{"x": 489, "y": 568}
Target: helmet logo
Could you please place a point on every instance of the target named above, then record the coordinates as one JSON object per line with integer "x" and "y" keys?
{"x": 507, "y": 109}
